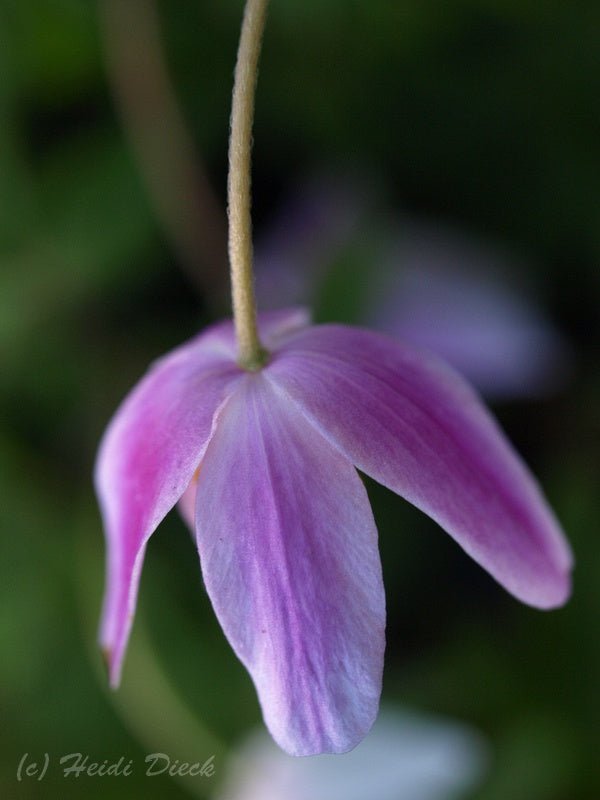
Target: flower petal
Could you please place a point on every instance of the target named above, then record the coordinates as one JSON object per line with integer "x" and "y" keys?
{"x": 187, "y": 504}
{"x": 289, "y": 555}
{"x": 274, "y": 327}
{"x": 146, "y": 459}
{"x": 412, "y": 424}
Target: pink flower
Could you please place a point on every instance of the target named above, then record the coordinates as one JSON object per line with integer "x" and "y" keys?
{"x": 264, "y": 464}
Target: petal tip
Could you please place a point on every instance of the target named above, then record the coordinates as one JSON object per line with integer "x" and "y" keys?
{"x": 303, "y": 749}
{"x": 338, "y": 739}
{"x": 112, "y": 665}
{"x": 552, "y": 593}
{"x": 559, "y": 595}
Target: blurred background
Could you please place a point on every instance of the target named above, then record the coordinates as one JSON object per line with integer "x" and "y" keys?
{"x": 428, "y": 168}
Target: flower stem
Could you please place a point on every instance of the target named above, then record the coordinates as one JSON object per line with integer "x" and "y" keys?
{"x": 251, "y": 353}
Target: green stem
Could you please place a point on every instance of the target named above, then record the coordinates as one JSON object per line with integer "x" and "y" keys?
{"x": 251, "y": 353}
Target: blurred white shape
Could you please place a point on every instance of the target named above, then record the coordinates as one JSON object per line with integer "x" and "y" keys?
{"x": 407, "y": 756}
{"x": 445, "y": 292}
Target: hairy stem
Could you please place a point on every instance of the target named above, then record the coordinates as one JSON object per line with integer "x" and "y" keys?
{"x": 251, "y": 353}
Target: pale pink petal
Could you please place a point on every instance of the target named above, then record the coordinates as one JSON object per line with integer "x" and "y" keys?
{"x": 289, "y": 555}
{"x": 445, "y": 291}
{"x": 274, "y": 328}
{"x": 187, "y": 504}
{"x": 411, "y": 423}
{"x": 146, "y": 459}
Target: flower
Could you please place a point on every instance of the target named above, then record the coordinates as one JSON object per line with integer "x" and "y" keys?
{"x": 287, "y": 540}
{"x": 406, "y": 756}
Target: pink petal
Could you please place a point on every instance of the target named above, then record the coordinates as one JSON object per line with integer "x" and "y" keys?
{"x": 412, "y": 424}
{"x": 146, "y": 459}
{"x": 288, "y": 549}
{"x": 187, "y": 504}
{"x": 275, "y": 327}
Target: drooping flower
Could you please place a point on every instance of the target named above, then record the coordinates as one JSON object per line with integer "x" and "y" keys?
{"x": 264, "y": 462}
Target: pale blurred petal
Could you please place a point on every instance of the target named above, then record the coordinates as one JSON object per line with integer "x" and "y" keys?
{"x": 406, "y": 756}
{"x": 459, "y": 298}
{"x": 295, "y": 250}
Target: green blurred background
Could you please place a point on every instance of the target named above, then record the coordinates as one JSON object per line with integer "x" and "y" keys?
{"x": 482, "y": 114}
